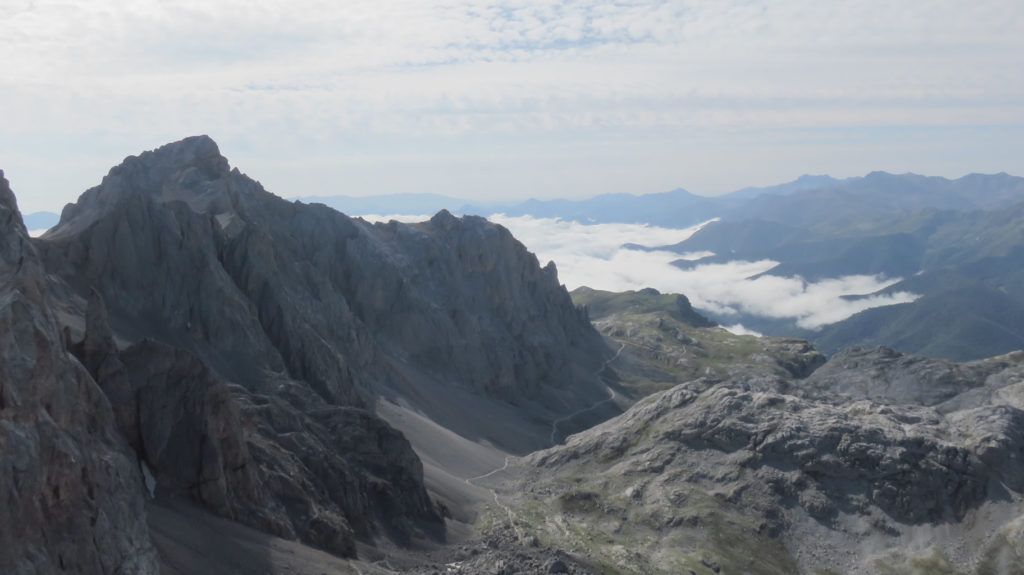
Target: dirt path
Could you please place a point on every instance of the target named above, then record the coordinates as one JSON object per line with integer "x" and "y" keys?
{"x": 611, "y": 397}
{"x": 490, "y": 473}
{"x": 494, "y": 493}
{"x": 554, "y": 431}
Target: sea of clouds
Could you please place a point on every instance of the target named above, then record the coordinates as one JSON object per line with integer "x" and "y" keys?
{"x": 604, "y": 256}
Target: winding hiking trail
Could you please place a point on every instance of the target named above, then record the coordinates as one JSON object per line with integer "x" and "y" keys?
{"x": 494, "y": 493}
{"x": 611, "y": 397}
{"x": 554, "y": 431}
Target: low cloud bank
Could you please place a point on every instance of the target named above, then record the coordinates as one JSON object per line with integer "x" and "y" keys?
{"x": 738, "y": 329}
{"x": 594, "y": 255}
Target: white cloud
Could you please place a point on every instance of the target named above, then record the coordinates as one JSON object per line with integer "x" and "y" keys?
{"x": 630, "y": 96}
{"x": 404, "y": 218}
{"x": 582, "y": 244}
{"x": 738, "y": 329}
{"x": 593, "y": 256}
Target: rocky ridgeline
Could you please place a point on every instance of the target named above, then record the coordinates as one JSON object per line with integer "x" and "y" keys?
{"x": 236, "y": 343}
{"x": 876, "y": 463}
{"x": 184, "y": 334}
{"x": 71, "y": 493}
{"x": 182, "y": 247}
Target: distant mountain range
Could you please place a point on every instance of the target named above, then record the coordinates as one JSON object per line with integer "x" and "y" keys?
{"x": 957, "y": 243}
{"x": 389, "y": 204}
{"x": 41, "y": 220}
{"x": 808, "y": 199}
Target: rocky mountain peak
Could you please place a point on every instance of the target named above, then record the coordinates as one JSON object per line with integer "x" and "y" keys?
{"x": 67, "y": 480}
{"x": 243, "y": 342}
{"x": 444, "y": 220}
{"x": 7, "y": 199}
{"x": 13, "y": 234}
{"x": 190, "y": 170}
{"x": 198, "y": 153}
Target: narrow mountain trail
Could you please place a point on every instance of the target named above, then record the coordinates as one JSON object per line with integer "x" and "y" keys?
{"x": 554, "y": 431}
{"x": 611, "y": 397}
{"x": 494, "y": 493}
{"x": 492, "y": 472}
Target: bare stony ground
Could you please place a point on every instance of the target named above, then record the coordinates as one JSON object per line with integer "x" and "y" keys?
{"x": 767, "y": 460}
{"x": 875, "y": 462}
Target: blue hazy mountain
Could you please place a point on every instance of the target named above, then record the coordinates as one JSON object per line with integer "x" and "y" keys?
{"x": 965, "y": 262}
{"x": 404, "y": 204}
{"x": 808, "y": 201}
{"x": 41, "y": 220}
{"x": 803, "y": 183}
{"x": 839, "y": 205}
{"x": 844, "y": 206}
{"x": 677, "y": 208}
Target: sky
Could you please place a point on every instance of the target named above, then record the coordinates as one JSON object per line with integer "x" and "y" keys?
{"x": 515, "y": 99}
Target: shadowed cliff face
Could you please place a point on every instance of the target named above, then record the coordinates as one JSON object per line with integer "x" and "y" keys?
{"x": 177, "y": 243}
{"x": 241, "y": 339}
{"x": 71, "y": 496}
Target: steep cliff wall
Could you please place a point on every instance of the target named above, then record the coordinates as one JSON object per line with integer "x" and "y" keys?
{"x": 71, "y": 492}
{"x": 243, "y": 340}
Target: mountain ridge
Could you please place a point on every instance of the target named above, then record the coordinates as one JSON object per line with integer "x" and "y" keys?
{"x": 873, "y": 462}
{"x": 423, "y": 398}
{"x": 244, "y": 343}
{"x": 69, "y": 482}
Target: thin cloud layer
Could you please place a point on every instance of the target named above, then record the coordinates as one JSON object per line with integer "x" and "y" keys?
{"x": 594, "y": 256}
{"x": 523, "y": 98}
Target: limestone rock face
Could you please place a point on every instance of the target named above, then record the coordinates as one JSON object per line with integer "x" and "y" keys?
{"x": 884, "y": 374}
{"x": 203, "y": 257}
{"x": 71, "y": 494}
{"x": 504, "y": 328}
{"x": 875, "y": 459}
{"x": 243, "y": 340}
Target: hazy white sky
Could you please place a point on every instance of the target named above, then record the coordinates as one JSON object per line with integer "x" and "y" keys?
{"x": 521, "y": 98}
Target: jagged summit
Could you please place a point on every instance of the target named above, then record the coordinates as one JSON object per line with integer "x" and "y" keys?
{"x": 13, "y": 238}
{"x": 7, "y": 199}
{"x": 250, "y": 340}
{"x": 72, "y": 499}
{"x": 186, "y": 150}
{"x": 199, "y": 153}
{"x": 183, "y": 202}
{"x": 191, "y": 170}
